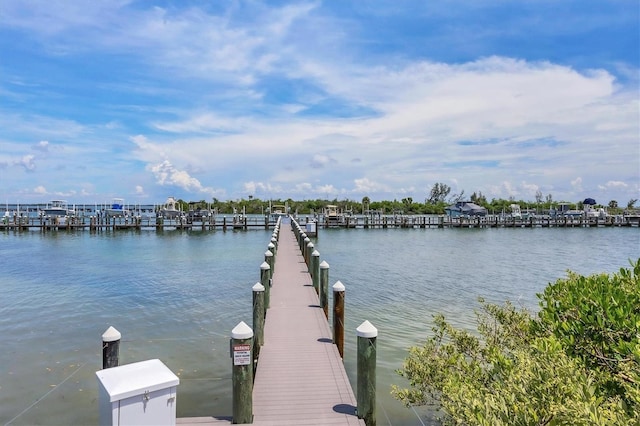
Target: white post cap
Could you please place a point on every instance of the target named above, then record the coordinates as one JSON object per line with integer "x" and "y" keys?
{"x": 324, "y": 265}
{"x": 257, "y": 287}
{"x": 271, "y": 246}
{"x": 315, "y": 253}
{"x": 111, "y": 335}
{"x": 366, "y": 329}
{"x": 268, "y": 253}
{"x": 241, "y": 331}
{"x": 265, "y": 266}
{"x": 338, "y": 286}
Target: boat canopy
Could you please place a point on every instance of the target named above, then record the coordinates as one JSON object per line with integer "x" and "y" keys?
{"x": 466, "y": 208}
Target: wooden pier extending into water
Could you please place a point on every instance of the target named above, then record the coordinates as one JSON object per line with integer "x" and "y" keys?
{"x": 300, "y": 377}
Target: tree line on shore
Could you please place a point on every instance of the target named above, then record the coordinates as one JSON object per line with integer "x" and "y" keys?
{"x": 435, "y": 203}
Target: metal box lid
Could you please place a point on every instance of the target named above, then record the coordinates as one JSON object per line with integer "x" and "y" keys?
{"x": 135, "y": 379}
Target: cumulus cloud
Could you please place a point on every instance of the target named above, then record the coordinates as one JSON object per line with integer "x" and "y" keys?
{"x": 365, "y": 185}
{"x": 42, "y": 146}
{"x": 614, "y": 184}
{"x": 576, "y": 184}
{"x": 167, "y": 175}
{"x": 256, "y": 188}
{"x": 28, "y": 162}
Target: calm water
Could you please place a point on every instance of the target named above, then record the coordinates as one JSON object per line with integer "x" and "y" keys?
{"x": 176, "y": 296}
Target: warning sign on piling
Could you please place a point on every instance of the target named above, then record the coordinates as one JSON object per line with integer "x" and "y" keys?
{"x": 242, "y": 355}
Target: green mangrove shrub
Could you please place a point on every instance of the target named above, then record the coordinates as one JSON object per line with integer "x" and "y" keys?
{"x": 576, "y": 363}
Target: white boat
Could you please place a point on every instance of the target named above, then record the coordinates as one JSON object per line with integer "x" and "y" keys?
{"x": 331, "y": 214}
{"x": 239, "y": 219}
{"x": 516, "y": 212}
{"x": 58, "y": 208}
{"x": 170, "y": 209}
{"x": 591, "y": 211}
{"x": 116, "y": 209}
{"x": 276, "y": 211}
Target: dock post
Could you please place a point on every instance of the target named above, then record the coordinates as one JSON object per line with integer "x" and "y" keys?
{"x": 258, "y": 318}
{"x": 111, "y": 348}
{"x": 272, "y": 248}
{"x": 307, "y": 254}
{"x": 338, "y": 317}
{"x": 324, "y": 288}
{"x": 301, "y": 242}
{"x": 265, "y": 273}
{"x": 315, "y": 270}
{"x": 242, "y": 376}
{"x": 366, "y": 393}
{"x": 269, "y": 258}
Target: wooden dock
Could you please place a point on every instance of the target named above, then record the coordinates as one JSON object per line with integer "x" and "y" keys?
{"x": 300, "y": 378}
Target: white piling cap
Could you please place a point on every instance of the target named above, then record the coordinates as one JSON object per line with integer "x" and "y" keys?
{"x": 366, "y": 329}
{"x": 265, "y": 266}
{"x": 315, "y": 253}
{"x": 271, "y": 246}
{"x": 268, "y": 253}
{"x": 307, "y": 239}
{"x": 309, "y": 244}
{"x": 111, "y": 335}
{"x": 242, "y": 331}
{"x": 338, "y": 286}
{"x": 257, "y": 287}
{"x": 303, "y": 235}
{"x": 324, "y": 265}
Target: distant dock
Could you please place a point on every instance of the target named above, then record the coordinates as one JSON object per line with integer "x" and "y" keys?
{"x": 489, "y": 221}
{"x": 104, "y": 223}
{"x": 27, "y": 218}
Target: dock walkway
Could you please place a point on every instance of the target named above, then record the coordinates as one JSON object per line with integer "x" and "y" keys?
{"x": 300, "y": 378}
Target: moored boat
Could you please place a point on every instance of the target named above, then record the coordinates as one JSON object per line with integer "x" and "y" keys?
{"x": 117, "y": 209}
{"x": 58, "y": 208}
{"x": 465, "y": 208}
{"x": 170, "y": 209}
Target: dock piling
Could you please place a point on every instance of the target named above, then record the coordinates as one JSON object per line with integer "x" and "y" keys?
{"x": 338, "y": 317}
{"x": 265, "y": 280}
{"x": 242, "y": 376}
{"x": 258, "y": 318}
{"x": 111, "y": 348}
{"x": 366, "y": 366}
{"x": 324, "y": 288}
{"x": 315, "y": 270}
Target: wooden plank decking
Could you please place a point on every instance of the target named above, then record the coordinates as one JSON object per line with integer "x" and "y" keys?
{"x": 300, "y": 377}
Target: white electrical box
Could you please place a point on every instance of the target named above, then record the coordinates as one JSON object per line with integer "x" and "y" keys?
{"x": 310, "y": 228}
{"x": 142, "y": 393}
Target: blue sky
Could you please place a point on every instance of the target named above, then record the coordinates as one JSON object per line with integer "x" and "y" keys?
{"x": 319, "y": 99}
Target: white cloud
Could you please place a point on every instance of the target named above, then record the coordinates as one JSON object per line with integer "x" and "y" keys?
{"x": 42, "y": 146}
{"x": 576, "y": 184}
{"x": 167, "y": 175}
{"x": 28, "y": 162}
